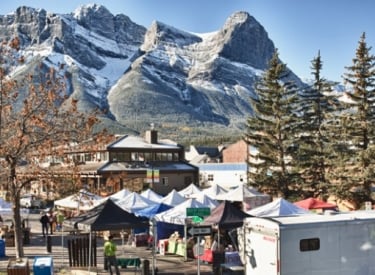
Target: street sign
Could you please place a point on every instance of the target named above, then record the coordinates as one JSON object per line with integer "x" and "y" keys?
{"x": 199, "y": 211}
{"x": 200, "y": 230}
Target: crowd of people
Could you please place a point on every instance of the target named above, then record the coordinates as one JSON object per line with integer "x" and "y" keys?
{"x": 51, "y": 221}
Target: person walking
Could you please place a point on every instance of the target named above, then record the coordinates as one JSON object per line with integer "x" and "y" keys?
{"x": 59, "y": 220}
{"x": 52, "y": 221}
{"x": 44, "y": 220}
{"x": 110, "y": 255}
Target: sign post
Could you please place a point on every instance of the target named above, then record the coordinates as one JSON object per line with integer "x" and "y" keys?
{"x": 200, "y": 212}
{"x": 198, "y": 230}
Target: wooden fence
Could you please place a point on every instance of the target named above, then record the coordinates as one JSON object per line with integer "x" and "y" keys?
{"x": 78, "y": 247}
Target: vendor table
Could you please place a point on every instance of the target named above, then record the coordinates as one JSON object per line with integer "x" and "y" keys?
{"x": 131, "y": 261}
{"x": 231, "y": 269}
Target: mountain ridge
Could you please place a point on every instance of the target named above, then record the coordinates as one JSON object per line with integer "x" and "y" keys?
{"x": 187, "y": 84}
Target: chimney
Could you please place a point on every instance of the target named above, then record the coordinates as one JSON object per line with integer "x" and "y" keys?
{"x": 152, "y": 135}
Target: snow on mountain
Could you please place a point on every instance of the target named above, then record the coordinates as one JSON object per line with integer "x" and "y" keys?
{"x": 163, "y": 75}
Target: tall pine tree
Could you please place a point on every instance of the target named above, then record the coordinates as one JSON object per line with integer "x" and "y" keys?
{"x": 318, "y": 102}
{"x": 358, "y": 125}
{"x": 271, "y": 131}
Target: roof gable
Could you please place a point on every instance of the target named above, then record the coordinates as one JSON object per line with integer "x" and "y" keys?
{"x": 139, "y": 142}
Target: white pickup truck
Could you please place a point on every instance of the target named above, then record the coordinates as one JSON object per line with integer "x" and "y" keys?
{"x": 30, "y": 201}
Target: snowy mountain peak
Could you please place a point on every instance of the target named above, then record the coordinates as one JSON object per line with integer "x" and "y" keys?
{"x": 200, "y": 83}
{"x": 236, "y": 19}
{"x": 96, "y": 18}
{"x": 26, "y": 15}
{"x": 86, "y": 9}
{"x": 241, "y": 31}
{"x": 163, "y": 34}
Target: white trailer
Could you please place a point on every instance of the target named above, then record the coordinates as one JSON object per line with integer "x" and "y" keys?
{"x": 339, "y": 244}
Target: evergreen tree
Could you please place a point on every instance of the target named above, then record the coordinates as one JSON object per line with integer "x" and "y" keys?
{"x": 357, "y": 121}
{"x": 271, "y": 131}
{"x": 317, "y": 103}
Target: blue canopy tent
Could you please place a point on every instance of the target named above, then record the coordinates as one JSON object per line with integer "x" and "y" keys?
{"x": 152, "y": 210}
{"x": 163, "y": 229}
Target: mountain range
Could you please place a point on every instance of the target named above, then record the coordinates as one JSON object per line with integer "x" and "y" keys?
{"x": 188, "y": 85}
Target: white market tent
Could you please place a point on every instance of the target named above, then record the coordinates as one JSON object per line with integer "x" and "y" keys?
{"x": 120, "y": 195}
{"x": 173, "y": 198}
{"x": 135, "y": 202}
{"x": 82, "y": 201}
{"x": 116, "y": 196}
{"x": 250, "y": 197}
{"x": 206, "y": 200}
{"x": 177, "y": 214}
{"x": 276, "y": 208}
{"x": 215, "y": 190}
{"x": 240, "y": 193}
{"x": 190, "y": 191}
{"x": 151, "y": 195}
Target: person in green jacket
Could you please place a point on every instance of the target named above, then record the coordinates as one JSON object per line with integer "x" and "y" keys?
{"x": 110, "y": 255}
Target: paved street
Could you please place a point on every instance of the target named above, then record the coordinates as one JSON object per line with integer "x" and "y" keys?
{"x": 166, "y": 264}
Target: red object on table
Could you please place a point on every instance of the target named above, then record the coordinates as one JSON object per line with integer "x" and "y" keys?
{"x": 163, "y": 246}
{"x": 207, "y": 256}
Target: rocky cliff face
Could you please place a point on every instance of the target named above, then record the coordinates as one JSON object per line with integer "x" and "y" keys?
{"x": 184, "y": 83}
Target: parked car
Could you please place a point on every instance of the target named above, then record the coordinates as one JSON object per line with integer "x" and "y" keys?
{"x": 30, "y": 201}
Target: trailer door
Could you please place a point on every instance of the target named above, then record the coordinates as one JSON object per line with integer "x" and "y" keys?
{"x": 261, "y": 253}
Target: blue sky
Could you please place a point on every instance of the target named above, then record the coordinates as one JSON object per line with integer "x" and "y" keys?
{"x": 299, "y": 28}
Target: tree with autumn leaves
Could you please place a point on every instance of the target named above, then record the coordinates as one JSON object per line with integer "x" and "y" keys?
{"x": 38, "y": 119}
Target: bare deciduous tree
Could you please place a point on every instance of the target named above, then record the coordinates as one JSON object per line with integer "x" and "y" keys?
{"x": 37, "y": 120}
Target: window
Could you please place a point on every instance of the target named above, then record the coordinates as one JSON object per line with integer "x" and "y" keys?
{"x": 141, "y": 156}
{"x": 103, "y": 156}
{"x": 88, "y": 157}
{"x": 127, "y": 156}
{"x": 113, "y": 156}
{"x": 176, "y": 157}
{"x": 148, "y": 157}
{"x": 164, "y": 181}
{"x": 164, "y": 156}
{"x": 210, "y": 177}
{"x": 134, "y": 156}
{"x": 158, "y": 156}
{"x": 309, "y": 244}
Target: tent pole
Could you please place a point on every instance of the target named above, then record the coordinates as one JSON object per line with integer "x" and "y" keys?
{"x": 123, "y": 241}
{"x": 199, "y": 255}
{"x": 154, "y": 246}
{"x": 62, "y": 244}
{"x": 218, "y": 236}
{"x": 185, "y": 233}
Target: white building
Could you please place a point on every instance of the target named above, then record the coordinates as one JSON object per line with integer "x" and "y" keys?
{"x": 227, "y": 175}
